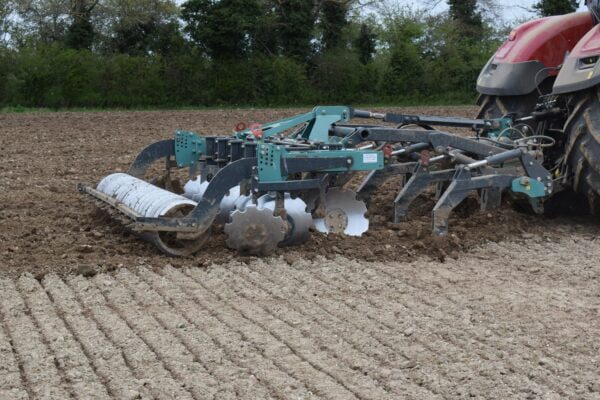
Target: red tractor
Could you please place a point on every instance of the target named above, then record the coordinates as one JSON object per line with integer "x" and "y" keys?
{"x": 548, "y": 71}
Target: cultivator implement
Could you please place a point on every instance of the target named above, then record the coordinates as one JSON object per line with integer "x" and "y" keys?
{"x": 271, "y": 183}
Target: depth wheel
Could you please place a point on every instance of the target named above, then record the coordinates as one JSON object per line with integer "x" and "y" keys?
{"x": 582, "y": 152}
{"x": 177, "y": 244}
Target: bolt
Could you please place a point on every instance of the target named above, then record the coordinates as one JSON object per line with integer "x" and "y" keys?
{"x": 349, "y": 161}
{"x": 539, "y": 179}
{"x": 524, "y": 181}
{"x": 531, "y": 163}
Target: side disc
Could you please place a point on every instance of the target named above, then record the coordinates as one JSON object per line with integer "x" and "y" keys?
{"x": 343, "y": 214}
{"x": 298, "y": 219}
{"x": 255, "y": 231}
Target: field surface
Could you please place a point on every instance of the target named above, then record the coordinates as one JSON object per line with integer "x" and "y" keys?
{"x": 509, "y": 307}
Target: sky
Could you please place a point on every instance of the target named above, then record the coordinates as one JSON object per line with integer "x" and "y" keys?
{"x": 511, "y": 9}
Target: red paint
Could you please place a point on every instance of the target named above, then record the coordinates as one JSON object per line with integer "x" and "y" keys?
{"x": 241, "y": 126}
{"x": 387, "y": 150}
{"x": 546, "y": 40}
{"x": 256, "y": 130}
{"x": 589, "y": 45}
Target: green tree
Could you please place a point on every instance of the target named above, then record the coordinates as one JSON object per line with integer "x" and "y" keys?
{"x": 546, "y": 8}
{"x": 365, "y": 43}
{"x": 334, "y": 15}
{"x": 7, "y": 8}
{"x": 222, "y": 28}
{"x": 138, "y": 27}
{"x": 404, "y": 73}
{"x": 466, "y": 15}
{"x": 80, "y": 34}
{"x": 453, "y": 60}
{"x": 295, "y": 25}
{"x": 9, "y": 90}
{"x": 149, "y": 37}
{"x": 41, "y": 21}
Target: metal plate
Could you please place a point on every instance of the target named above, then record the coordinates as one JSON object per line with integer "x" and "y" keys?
{"x": 343, "y": 214}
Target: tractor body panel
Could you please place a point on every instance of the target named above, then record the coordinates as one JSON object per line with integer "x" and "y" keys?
{"x": 520, "y": 63}
{"x": 580, "y": 70}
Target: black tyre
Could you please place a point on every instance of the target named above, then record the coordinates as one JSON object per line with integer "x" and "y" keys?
{"x": 581, "y": 166}
{"x": 499, "y": 106}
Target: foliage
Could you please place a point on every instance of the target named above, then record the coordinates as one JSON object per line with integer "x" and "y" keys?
{"x": 223, "y": 29}
{"x": 465, "y": 14}
{"x": 137, "y": 53}
{"x": 365, "y": 43}
{"x": 546, "y": 8}
{"x": 295, "y": 24}
{"x": 333, "y": 21}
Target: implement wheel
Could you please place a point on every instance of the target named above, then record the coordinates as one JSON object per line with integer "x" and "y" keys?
{"x": 582, "y": 152}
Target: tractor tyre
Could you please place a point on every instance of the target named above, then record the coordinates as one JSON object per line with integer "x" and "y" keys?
{"x": 499, "y": 106}
{"x": 581, "y": 165}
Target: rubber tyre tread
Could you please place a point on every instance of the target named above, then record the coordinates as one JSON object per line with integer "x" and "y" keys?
{"x": 499, "y": 106}
{"x": 582, "y": 153}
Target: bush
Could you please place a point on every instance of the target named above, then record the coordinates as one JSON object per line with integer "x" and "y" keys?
{"x": 280, "y": 81}
{"x": 56, "y": 77}
{"x": 418, "y": 60}
{"x": 339, "y": 76}
{"x": 130, "y": 81}
{"x": 9, "y": 88}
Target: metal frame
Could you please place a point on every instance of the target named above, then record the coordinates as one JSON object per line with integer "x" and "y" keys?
{"x": 321, "y": 154}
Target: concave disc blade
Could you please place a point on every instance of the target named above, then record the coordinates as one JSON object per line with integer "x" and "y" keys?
{"x": 343, "y": 214}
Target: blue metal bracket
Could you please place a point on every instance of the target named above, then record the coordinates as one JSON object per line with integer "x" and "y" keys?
{"x": 504, "y": 127}
{"x": 270, "y": 158}
{"x": 318, "y": 122}
{"x": 529, "y": 187}
{"x": 189, "y": 147}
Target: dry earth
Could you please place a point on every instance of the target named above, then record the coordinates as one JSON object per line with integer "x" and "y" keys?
{"x": 509, "y": 309}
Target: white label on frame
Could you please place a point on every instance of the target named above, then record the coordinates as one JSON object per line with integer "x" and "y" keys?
{"x": 370, "y": 158}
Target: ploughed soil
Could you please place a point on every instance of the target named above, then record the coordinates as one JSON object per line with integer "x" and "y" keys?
{"x": 507, "y": 307}
{"x": 46, "y": 225}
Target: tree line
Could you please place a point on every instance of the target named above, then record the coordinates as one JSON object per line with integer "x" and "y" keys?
{"x": 135, "y": 53}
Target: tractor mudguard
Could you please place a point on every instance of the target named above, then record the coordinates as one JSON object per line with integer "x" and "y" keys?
{"x": 580, "y": 70}
{"x": 518, "y": 65}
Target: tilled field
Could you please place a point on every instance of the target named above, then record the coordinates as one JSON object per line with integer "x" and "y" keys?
{"x": 492, "y": 325}
{"x": 45, "y": 225}
{"x": 509, "y": 307}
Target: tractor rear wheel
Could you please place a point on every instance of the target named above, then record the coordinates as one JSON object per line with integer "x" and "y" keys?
{"x": 582, "y": 152}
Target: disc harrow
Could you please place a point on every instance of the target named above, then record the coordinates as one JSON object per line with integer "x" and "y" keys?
{"x": 269, "y": 185}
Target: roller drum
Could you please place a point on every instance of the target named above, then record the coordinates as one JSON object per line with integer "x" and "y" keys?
{"x": 146, "y": 199}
